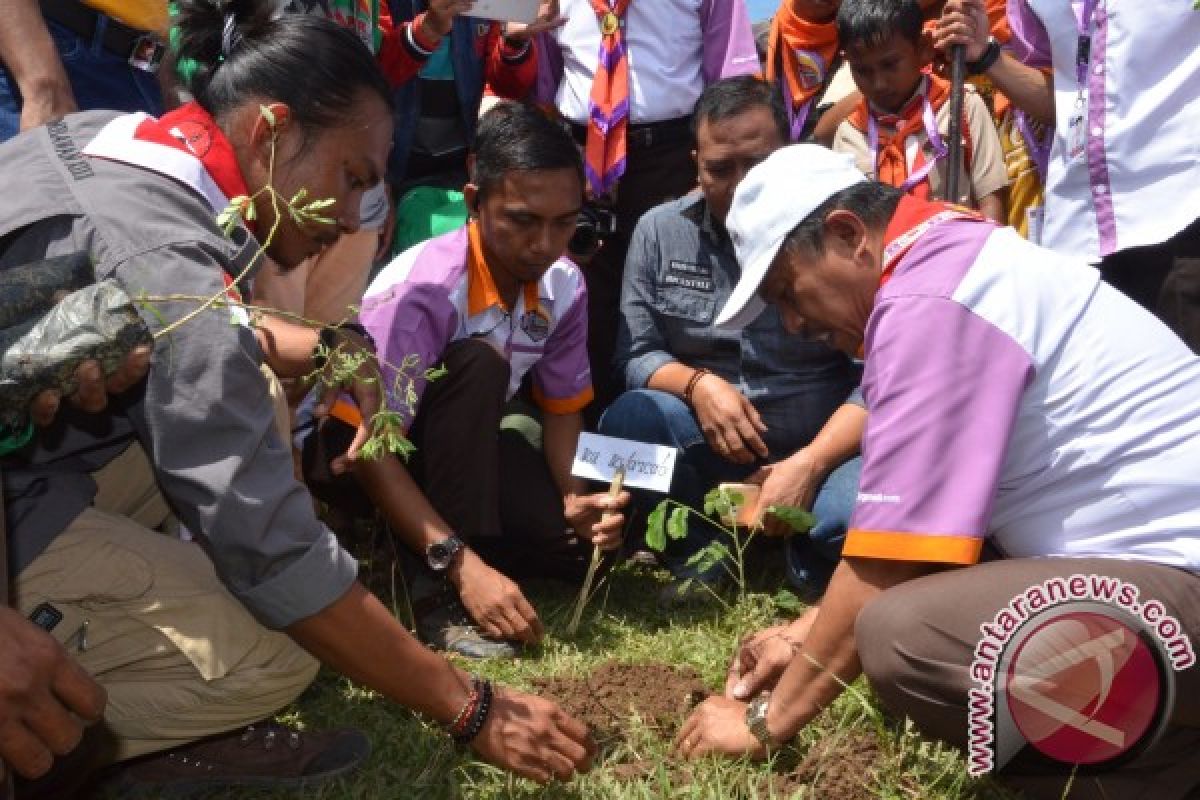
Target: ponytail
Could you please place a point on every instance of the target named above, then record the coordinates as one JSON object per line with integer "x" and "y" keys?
{"x": 241, "y": 51}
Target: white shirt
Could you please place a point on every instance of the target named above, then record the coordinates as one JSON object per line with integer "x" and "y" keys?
{"x": 1139, "y": 183}
{"x": 675, "y": 48}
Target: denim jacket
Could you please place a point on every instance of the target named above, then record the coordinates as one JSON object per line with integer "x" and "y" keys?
{"x": 680, "y": 271}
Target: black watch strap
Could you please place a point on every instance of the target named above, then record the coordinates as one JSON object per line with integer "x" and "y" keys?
{"x": 991, "y": 55}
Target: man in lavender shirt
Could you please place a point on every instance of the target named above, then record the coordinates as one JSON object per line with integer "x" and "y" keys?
{"x": 496, "y": 305}
{"x": 1028, "y": 428}
{"x": 674, "y": 49}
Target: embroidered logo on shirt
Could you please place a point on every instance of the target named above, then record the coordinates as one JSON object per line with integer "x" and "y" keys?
{"x": 195, "y": 136}
{"x": 689, "y": 276}
{"x": 536, "y": 325}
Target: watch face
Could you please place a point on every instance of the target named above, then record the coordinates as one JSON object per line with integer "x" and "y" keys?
{"x": 440, "y": 554}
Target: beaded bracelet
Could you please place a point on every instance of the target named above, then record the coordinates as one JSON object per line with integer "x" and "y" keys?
{"x": 479, "y": 717}
{"x": 691, "y": 384}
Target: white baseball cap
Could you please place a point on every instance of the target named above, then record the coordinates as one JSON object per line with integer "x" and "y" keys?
{"x": 773, "y": 198}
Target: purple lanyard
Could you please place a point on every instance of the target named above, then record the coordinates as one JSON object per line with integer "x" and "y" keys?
{"x": 940, "y": 150}
{"x": 1083, "y": 45}
{"x": 1039, "y": 150}
{"x": 796, "y": 118}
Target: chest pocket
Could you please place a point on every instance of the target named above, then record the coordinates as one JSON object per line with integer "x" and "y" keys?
{"x": 687, "y": 290}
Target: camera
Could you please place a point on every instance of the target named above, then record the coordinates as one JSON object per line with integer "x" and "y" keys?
{"x": 593, "y": 225}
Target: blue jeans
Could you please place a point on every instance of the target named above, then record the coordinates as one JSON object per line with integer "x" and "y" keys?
{"x": 99, "y": 79}
{"x": 647, "y": 415}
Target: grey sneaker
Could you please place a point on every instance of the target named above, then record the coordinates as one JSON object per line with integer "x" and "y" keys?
{"x": 443, "y": 624}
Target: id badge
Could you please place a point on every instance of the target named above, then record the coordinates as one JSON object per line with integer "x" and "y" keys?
{"x": 1076, "y": 135}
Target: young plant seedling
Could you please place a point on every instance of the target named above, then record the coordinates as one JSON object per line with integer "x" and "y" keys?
{"x": 721, "y": 505}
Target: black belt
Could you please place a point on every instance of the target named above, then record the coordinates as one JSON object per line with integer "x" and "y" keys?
{"x": 648, "y": 134}
{"x": 141, "y": 49}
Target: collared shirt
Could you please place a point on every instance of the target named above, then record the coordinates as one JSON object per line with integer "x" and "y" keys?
{"x": 680, "y": 270}
{"x": 204, "y": 413}
{"x": 675, "y": 47}
{"x": 1138, "y": 182}
{"x": 1012, "y": 395}
{"x": 984, "y": 175}
{"x": 442, "y": 291}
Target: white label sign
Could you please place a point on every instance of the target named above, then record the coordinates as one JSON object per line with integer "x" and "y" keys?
{"x": 507, "y": 10}
{"x": 647, "y": 466}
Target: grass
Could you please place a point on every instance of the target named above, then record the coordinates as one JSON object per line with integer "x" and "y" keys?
{"x": 411, "y": 759}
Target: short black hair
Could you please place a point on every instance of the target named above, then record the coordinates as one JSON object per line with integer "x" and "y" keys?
{"x": 872, "y": 202}
{"x": 873, "y": 22}
{"x": 516, "y": 137}
{"x": 729, "y": 97}
{"x": 245, "y": 52}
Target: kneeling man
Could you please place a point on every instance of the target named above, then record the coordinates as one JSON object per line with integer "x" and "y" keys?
{"x": 495, "y": 303}
{"x": 1021, "y": 413}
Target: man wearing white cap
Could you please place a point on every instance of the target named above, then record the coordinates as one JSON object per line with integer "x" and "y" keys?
{"x": 1012, "y": 398}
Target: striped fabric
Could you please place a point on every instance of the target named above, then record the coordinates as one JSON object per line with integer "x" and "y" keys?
{"x": 604, "y": 153}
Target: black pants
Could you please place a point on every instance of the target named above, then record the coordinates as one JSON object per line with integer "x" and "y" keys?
{"x": 491, "y": 486}
{"x": 1163, "y": 278}
{"x": 653, "y": 175}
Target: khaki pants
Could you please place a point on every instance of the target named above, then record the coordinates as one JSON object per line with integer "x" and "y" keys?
{"x": 146, "y": 615}
{"x": 916, "y": 644}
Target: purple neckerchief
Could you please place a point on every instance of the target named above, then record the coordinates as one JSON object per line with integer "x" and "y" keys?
{"x": 940, "y": 150}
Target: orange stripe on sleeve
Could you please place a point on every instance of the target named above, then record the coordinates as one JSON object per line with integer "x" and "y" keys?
{"x": 964, "y": 550}
{"x": 563, "y": 405}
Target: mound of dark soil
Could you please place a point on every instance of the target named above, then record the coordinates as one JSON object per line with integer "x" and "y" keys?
{"x": 610, "y": 696}
{"x": 842, "y": 766}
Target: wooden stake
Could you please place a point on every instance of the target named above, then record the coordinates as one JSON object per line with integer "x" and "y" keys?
{"x": 614, "y": 491}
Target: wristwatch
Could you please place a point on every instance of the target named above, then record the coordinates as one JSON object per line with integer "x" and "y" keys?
{"x": 756, "y": 720}
{"x": 987, "y": 60}
{"x": 440, "y": 555}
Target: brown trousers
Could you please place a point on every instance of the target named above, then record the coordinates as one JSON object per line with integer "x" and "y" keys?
{"x": 916, "y": 643}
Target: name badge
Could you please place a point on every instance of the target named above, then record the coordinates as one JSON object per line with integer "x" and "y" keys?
{"x": 685, "y": 275}
{"x": 1077, "y": 134}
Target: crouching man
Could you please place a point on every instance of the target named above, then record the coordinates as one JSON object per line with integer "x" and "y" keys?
{"x": 494, "y": 303}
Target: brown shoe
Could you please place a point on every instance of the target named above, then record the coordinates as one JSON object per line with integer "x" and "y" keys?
{"x": 266, "y": 755}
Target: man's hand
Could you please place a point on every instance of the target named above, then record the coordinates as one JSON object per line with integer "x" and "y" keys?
{"x": 963, "y": 22}
{"x": 439, "y": 17}
{"x": 791, "y": 482}
{"x": 494, "y": 601}
{"x": 595, "y": 517}
{"x": 45, "y": 697}
{"x": 761, "y": 658}
{"x": 548, "y": 19}
{"x": 53, "y": 101}
{"x": 718, "y": 725}
{"x": 534, "y": 738}
{"x": 364, "y": 385}
{"x": 730, "y": 423}
{"x": 93, "y": 387}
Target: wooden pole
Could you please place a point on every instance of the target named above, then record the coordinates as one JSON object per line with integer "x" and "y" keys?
{"x": 614, "y": 491}
{"x": 958, "y": 77}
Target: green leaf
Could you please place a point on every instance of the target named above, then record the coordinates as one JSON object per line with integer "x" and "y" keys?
{"x": 656, "y": 535}
{"x": 268, "y": 115}
{"x": 677, "y": 523}
{"x": 710, "y": 501}
{"x": 436, "y": 373}
{"x": 787, "y": 602}
{"x": 798, "y": 519}
{"x": 317, "y": 205}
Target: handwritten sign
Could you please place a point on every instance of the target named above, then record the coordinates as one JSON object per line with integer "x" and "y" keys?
{"x": 507, "y": 10}
{"x": 647, "y": 466}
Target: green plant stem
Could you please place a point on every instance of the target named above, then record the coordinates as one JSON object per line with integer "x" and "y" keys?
{"x": 614, "y": 491}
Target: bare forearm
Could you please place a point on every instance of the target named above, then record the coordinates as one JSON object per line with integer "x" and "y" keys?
{"x": 992, "y": 207}
{"x": 287, "y": 347}
{"x": 28, "y": 52}
{"x": 359, "y": 638}
{"x": 1029, "y": 89}
{"x": 560, "y": 438}
{"x": 828, "y": 659}
{"x": 671, "y": 378}
{"x": 408, "y": 512}
{"x": 840, "y": 438}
